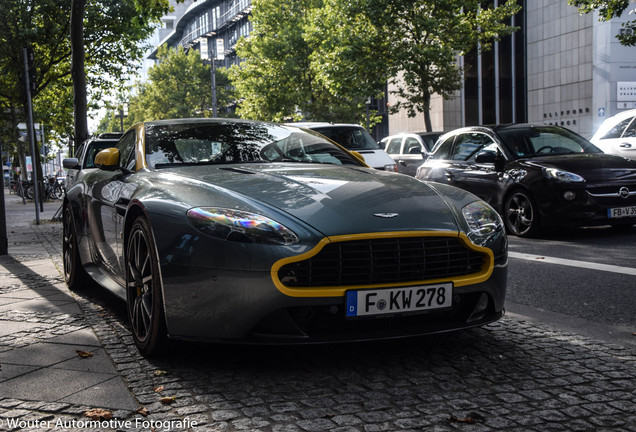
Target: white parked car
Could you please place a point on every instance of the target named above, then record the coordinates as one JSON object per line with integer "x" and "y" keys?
{"x": 409, "y": 150}
{"x": 617, "y": 135}
{"x": 354, "y": 138}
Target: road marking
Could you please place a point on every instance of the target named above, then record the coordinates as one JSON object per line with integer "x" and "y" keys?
{"x": 574, "y": 263}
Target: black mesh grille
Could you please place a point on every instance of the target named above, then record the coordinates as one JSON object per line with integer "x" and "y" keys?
{"x": 379, "y": 261}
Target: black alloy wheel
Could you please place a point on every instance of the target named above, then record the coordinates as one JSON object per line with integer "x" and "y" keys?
{"x": 143, "y": 290}
{"x": 74, "y": 274}
{"x": 520, "y": 215}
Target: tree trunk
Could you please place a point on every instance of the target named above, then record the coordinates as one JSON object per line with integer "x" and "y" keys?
{"x": 427, "y": 112}
{"x": 77, "y": 71}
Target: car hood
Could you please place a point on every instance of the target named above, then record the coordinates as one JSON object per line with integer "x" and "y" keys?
{"x": 592, "y": 167}
{"x": 334, "y": 200}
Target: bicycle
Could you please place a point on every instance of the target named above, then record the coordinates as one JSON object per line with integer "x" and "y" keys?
{"x": 53, "y": 189}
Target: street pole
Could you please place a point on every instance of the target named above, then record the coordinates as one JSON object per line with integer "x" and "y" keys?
{"x": 43, "y": 149}
{"x": 36, "y": 192}
{"x": 213, "y": 69}
{"x": 4, "y": 242}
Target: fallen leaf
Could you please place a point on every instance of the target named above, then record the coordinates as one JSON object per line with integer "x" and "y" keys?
{"x": 160, "y": 372}
{"x": 98, "y": 414}
{"x": 158, "y": 389}
{"x": 468, "y": 420}
{"x": 328, "y": 416}
{"x": 143, "y": 411}
{"x": 84, "y": 354}
{"x": 168, "y": 400}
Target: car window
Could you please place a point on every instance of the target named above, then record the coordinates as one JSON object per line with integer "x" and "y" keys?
{"x": 350, "y": 137}
{"x": 394, "y": 146}
{"x": 444, "y": 149}
{"x": 617, "y": 130}
{"x": 79, "y": 154}
{"x": 412, "y": 146}
{"x": 468, "y": 145}
{"x": 92, "y": 149}
{"x": 430, "y": 140}
{"x": 126, "y": 149}
{"x": 543, "y": 141}
{"x": 630, "y": 131}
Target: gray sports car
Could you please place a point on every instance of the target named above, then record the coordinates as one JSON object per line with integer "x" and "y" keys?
{"x": 231, "y": 230}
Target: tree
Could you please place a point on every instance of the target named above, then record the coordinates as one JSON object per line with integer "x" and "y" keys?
{"x": 608, "y": 9}
{"x": 112, "y": 32}
{"x": 297, "y": 63}
{"x": 178, "y": 86}
{"x": 426, "y": 37}
{"x": 113, "y": 45}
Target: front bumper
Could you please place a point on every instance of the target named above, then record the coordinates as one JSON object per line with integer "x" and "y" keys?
{"x": 590, "y": 206}
{"x": 246, "y": 306}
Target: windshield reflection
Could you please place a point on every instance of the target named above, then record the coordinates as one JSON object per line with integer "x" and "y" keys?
{"x": 230, "y": 143}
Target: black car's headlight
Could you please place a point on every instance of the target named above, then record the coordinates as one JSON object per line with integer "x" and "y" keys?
{"x": 562, "y": 176}
{"x": 241, "y": 226}
{"x": 483, "y": 221}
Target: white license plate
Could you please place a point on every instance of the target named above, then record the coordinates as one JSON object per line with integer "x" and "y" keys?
{"x": 621, "y": 212}
{"x": 399, "y": 300}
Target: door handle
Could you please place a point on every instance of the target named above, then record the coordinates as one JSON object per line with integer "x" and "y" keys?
{"x": 449, "y": 175}
{"x": 625, "y": 145}
{"x": 402, "y": 163}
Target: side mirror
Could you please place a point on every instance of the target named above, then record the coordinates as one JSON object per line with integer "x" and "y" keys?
{"x": 107, "y": 159}
{"x": 70, "y": 163}
{"x": 486, "y": 157}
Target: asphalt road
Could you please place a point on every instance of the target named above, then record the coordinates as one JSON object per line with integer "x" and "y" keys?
{"x": 580, "y": 279}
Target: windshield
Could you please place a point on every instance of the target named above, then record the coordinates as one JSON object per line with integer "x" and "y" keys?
{"x": 235, "y": 142}
{"x": 543, "y": 141}
{"x": 350, "y": 137}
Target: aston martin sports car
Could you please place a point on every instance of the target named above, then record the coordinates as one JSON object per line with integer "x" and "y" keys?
{"x": 250, "y": 232}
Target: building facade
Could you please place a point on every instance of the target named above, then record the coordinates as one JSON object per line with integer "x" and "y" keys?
{"x": 213, "y": 26}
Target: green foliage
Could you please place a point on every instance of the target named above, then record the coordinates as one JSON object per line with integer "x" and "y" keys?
{"x": 112, "y": 31}
{"x": 179, "y": 86}
{"x": 322, "y": 59}
{"x": 608, "y": 9}
{"x": 297, "y": 63}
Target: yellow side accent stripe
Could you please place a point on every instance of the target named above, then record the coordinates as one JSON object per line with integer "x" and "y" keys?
{"x": 339, "y": 291}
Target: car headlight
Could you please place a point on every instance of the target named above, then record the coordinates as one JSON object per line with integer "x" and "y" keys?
{"x": 563, "y": 176}
{"x": 483, "y": 221}
{"x": 240, "y": 226}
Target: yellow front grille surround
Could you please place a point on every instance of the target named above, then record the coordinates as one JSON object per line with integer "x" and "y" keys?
{"x": 339, "y": 291}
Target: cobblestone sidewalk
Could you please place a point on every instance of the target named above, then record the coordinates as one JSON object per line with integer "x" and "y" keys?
{"x": 509, "y": 376}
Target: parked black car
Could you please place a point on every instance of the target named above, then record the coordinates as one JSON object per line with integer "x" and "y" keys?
{"x": 536, "y": 176}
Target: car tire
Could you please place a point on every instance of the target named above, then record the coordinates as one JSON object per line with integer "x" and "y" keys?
{"x": 520, "y": 214}
{"x": 74, "y": 274}
{"x": 143, "y": 290}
